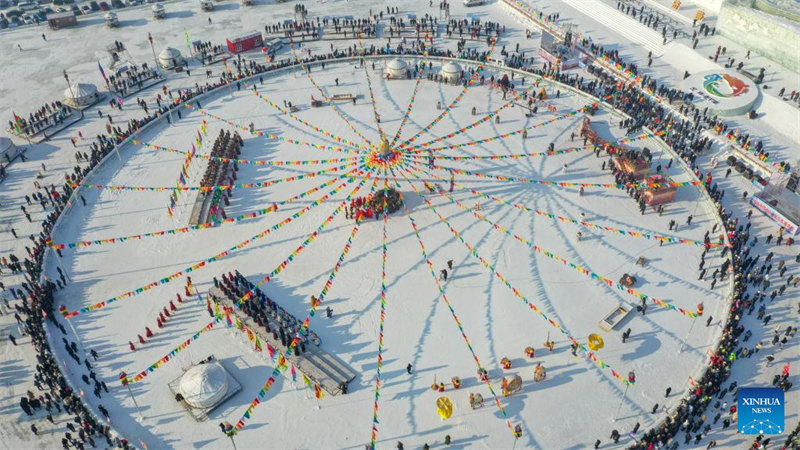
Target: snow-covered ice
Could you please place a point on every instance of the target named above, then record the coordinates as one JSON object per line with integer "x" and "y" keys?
{"x": 575, "y": 404}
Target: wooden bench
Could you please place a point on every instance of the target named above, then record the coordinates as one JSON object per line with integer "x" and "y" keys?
{"x": 342, "y": 97}
{"x": 614, "y": 318}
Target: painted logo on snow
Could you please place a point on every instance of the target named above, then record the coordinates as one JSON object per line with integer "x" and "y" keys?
{"x": 760, "y": 411}
{"x": 725, "y": 86}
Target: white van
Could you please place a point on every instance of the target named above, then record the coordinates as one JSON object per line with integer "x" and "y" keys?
{"x": 497, "y": 61}
{"x": 474, "y": 2}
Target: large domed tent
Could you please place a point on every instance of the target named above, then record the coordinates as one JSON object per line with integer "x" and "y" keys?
{"x": 204, "y": 385}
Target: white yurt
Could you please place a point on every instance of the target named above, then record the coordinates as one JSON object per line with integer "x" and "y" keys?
{"x": 111, "y": 19}
{"x": 8, "y": 150}
{"x": 169, "y": 58}
{"x": 159, "y": 12}
{"x": 80, "y": 94}
{"x": 451, "y": 72}
{"x": 397, "y": 68}
{"x": 204, "y": 385}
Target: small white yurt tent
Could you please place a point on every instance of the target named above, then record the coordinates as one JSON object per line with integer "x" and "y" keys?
{"x": 451, "y": 72}
{"x": 397, "y": 68}
{"x": 80, "y": 94}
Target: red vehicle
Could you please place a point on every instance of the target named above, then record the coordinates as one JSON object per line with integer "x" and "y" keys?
{"x": 246, "y": 42}
{"x": 104, "y": 6}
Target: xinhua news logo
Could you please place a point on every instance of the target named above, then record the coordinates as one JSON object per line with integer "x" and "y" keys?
{"x": 760, "y": 411}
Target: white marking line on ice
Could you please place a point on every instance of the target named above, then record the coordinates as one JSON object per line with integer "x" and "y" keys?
{"x": 626, "y": 26}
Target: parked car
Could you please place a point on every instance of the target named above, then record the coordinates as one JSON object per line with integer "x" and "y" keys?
{"x": 95, "y": 7}
{"x": 28, "y": 6}
{"x": 104, "y": 6}
{"x": 86, "y": 9}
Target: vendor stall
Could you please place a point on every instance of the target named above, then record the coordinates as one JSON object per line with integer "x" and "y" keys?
{"x": 245, "y": 42}
{"x": 61, "y": 20}
{"x": 558, "y": 53}
{"x": 633, "y": 163}
{"x": 658, "y": 191}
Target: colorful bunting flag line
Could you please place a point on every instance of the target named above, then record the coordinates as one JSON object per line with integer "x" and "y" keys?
{"x": 257, "y": 162}
{"x": 204, "y": 263}
{"x": 382, "y": 316}
{"x": 580, "y": 269}
{"x": 303, "y": 329}
{"x": 250, "y": 334}
{"x": 169, "y": 356}
{"x": 201, "y": 226}
{"x": 313, "y": 236}
{"x": 276, "y": 372}
{"x": 220, "y": 187}
{"x": 184, "y": 173}
{"x": 373, "y": 103}
{"x": 475, "y": 77}
{"x": 322, "y": 131}
{"x": 591, "y": 225}
{"x": 336, "y": 109}
{"x": 452, "y": 310}
{"x": 274, "y": 136}
{"x": 505, "y": 281}
{"x": 406, "y": 115}
{"x": 484, "y": 119}
{"x": 567, "y": 184}
{"x": 505, "y": 135}
{"x": 436, "y": 120}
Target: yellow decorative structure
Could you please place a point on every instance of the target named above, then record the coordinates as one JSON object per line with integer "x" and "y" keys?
{"x": 596, "y": 342}
{"x": 444, "y": 406}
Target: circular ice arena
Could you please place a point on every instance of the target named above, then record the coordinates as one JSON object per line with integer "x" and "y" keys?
{"x": 356, "y": 224}
{"x": 516, "y": 281}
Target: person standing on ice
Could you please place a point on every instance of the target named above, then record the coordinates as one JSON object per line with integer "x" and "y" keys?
{"x": 408, "y": 368}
